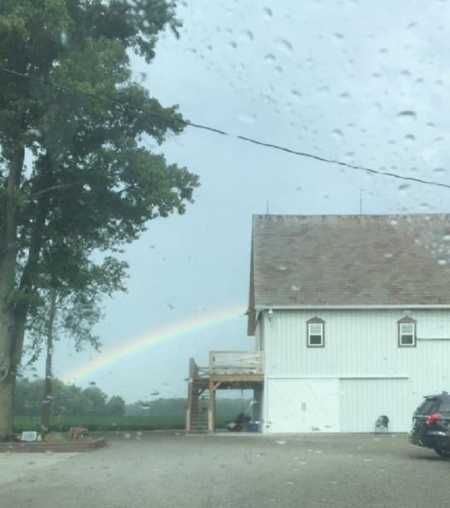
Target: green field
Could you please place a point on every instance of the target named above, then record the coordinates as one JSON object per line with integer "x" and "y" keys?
{"x": 101, "y": 423}
{"x": 106, "y": 423}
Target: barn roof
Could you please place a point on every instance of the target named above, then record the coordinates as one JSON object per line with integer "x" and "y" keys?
{"x": 308, "y": 260}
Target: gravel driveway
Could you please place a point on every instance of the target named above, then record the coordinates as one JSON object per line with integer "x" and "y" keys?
{"x": 167, "y": 470}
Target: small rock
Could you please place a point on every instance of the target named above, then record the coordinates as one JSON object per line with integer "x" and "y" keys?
{"x": 280, "y": 442}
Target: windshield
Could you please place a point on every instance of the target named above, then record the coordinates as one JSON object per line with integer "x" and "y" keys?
{"x": 224, "y": 252}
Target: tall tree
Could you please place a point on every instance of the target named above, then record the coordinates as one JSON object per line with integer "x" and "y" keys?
{"x": 115, "y": 406}
{"x": 69, "y": 102}
{"x": 65, "y": 313}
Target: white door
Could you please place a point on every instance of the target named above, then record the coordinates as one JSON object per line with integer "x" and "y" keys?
{"x": 362, "y": 401}
{"x": 302, "y": 405}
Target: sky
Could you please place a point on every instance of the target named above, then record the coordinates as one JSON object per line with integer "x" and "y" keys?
{"x": 362, "y": 82}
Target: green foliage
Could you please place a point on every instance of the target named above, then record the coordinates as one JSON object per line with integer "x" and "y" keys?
{"x": 115, "y": 406}
{"x": 67, "y": 400}
{"x": 103, "y": 423}
{"x": 91, "y": 408}
{"x": 93, "y": 184}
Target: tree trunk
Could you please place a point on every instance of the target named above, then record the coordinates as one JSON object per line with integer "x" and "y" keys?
{"x": 48, "y": 384}
{"x": 6, "y": 374}
{"x": 8, "y": 255}
{"x": 6, "y": 409}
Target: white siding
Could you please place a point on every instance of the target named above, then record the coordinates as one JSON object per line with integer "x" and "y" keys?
{"x": 361, "y": 350}
{"x": 259, "y": 333}
{"x": 363, "y": 401}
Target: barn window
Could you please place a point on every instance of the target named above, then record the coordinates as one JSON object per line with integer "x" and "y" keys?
{"x": 407, "y": 332}
{"x": 315, "y": 331}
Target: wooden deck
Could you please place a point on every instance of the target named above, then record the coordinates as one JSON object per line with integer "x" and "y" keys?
{"x": 226, "y": 370}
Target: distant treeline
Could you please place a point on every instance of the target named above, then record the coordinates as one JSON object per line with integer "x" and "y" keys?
{"x": 72, "y": 401}
{"x": 176, "y": 407}
{"x": 67, "y": 400}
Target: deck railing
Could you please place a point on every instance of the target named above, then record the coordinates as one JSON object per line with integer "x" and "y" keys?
{"x": 236, "y": 362}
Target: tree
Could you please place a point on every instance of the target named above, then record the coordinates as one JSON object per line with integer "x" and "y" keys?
{"x": 115, "y": 406}
{"x": 94, "y": 401}
{"x": 67, "y": 400}
{"x": 48, "y": 393}
{"x": 68, "y": 100}
{"x": 65, "y": 313}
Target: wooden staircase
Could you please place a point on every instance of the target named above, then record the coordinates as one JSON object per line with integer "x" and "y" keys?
{"x": 198, "y": 400}
{"x": 226, "y": 370}
{"x": 199, "y": 413}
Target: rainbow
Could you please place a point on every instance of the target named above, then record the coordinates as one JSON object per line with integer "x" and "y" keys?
{"x": 114, "y": 355}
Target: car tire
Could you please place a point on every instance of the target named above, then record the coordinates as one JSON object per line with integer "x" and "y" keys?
{"x": 444, "y": 454}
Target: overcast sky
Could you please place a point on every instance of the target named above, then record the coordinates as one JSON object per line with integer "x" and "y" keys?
{"x": 331, "y": 77}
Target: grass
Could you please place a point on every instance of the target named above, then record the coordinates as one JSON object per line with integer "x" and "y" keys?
{"x": 100, "y": 423}
{"x": 105, "y": 423}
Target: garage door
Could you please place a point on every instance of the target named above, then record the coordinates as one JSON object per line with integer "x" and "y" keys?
{"x": 362, "y": 401}
{"x": 302, "y": 405}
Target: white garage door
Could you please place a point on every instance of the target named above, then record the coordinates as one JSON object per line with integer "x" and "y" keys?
{"x": 302, "y": 405}
{"x": 362, "y": 401}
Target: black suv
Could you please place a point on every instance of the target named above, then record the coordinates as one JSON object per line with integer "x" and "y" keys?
{"x": 431, "y": 424}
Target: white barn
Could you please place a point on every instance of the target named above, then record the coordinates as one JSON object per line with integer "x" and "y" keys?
{"x": 352, "y": 315}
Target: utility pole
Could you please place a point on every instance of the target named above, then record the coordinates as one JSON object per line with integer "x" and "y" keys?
{"x": 360, "y": 201}
{"x": 48, "y": 382}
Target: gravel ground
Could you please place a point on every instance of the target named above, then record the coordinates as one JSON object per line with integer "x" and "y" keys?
{"x": 168, "y": 470}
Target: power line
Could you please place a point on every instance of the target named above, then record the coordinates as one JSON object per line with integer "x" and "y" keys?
{"x": 272, "y": 146}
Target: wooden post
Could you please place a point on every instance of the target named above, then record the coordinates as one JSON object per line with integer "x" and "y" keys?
{"x": 189, "y": 409}
{"x": 212, "y": 407}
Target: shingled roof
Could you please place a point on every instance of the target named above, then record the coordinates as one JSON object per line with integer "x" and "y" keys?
{"x": 349, "y": 260}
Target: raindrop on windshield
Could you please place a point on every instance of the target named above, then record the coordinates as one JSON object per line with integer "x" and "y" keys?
{"x": 249, "y": 35}
{"x": 285, "y": 45}
{"x": 268, "y": 12}
{"x": 407, "y": 113}
{"x": 270, "y": 57}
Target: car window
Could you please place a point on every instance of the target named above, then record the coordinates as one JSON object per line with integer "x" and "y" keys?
{"x": 427, "y": 406}
{"x": 444, "y": 406}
